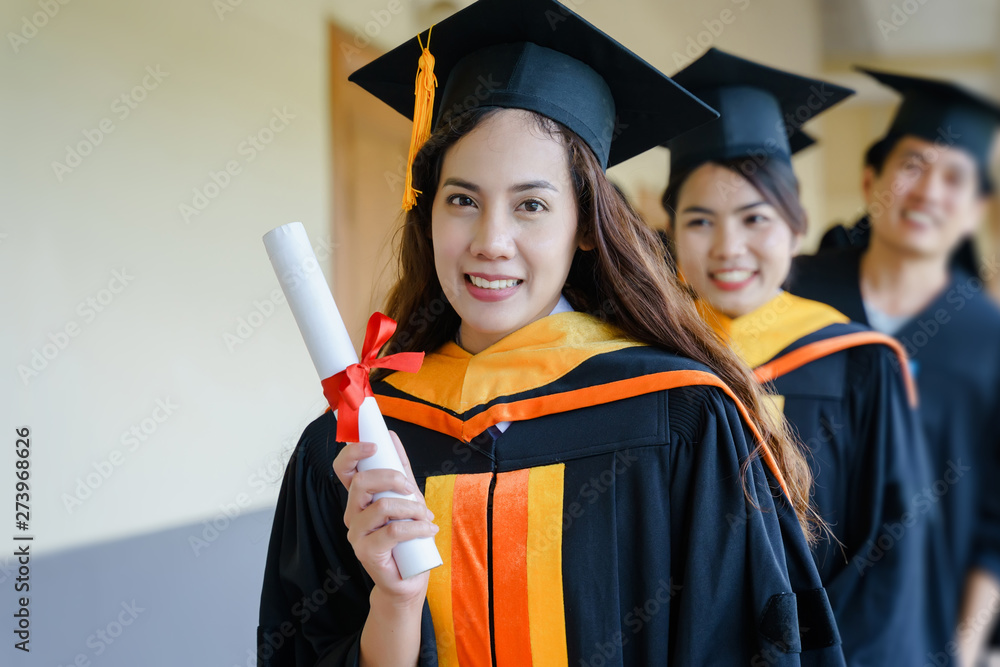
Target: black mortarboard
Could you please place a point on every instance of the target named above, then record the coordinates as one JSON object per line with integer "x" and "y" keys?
{"x": 540, "y": 56}
{"x": 762, "y": 110}
{"x": 943, "y": 112}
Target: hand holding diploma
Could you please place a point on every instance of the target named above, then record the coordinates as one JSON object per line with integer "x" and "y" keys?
{"x": 345, "y": 384}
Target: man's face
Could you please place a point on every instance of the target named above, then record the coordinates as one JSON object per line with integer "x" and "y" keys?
{"x": 926, "y": 200}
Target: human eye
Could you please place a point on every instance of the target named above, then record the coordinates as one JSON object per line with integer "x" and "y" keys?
{"x": 697, "y": 222}
{"x": 756, "y": 218}
{"x": 460, "y": 200}
{"x": 957, "y": 178}
{"x": 533, "y": 206}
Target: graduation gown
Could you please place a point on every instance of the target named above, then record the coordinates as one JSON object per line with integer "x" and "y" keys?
{"x": 847, "y": 395}
{"x": 954, "y": 347}
{"x": 610, "y": 524}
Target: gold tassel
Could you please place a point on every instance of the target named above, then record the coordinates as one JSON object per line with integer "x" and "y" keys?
{"x": 423, "y": 108}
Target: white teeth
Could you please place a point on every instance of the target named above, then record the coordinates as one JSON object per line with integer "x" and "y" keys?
{"x": 735, "y": 276}
{"x": 492, "y": 284}
{"x": 919, "y": 217}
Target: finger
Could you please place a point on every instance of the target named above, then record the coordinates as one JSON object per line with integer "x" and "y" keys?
{"x": 345, "y": 466}
{"x": 384, "y": 510}
{"x": 366, "y": 484}
{"x": 383, "y": 539}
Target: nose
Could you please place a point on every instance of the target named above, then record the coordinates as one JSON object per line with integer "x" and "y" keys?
{"x": 930, "y": 186}
{"x": 728, "y": 241}
{"x": 494, "y": 236}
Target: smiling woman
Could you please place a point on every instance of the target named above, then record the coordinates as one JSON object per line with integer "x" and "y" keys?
{"x": 583, "y": 447}
{"x": 736, "y": 222}
{"x": 504, "y": 227}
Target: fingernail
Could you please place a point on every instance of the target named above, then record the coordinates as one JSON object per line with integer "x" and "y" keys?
{"x": 430, "y": 514}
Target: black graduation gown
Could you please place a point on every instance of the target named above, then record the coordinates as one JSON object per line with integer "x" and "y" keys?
{"x": 608, "y": 525}
{"x": 954, "y": 346}
{"x": 844, "y": 392}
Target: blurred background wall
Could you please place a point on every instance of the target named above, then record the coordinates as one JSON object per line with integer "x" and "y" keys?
{"x": 148, "y": 146}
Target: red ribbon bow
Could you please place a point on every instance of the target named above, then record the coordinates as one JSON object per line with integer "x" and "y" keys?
{"x": 347, "y": 390}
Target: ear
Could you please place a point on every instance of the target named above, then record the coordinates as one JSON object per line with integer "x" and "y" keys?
{"x": 585, "y": 239}
{"x": 868, "y": 177}
{"x": 797, "y": 243}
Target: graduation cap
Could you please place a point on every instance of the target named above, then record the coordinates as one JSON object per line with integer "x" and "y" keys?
{"x": 938, "y": 110}
{"x": 540, "y": 56}
{"x": 762, "y": 110}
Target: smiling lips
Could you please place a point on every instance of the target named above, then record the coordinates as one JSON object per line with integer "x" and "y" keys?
{"x": 491, "y": 288}
{"x": 918, "y": 218}
{"x": 732, "y": 279}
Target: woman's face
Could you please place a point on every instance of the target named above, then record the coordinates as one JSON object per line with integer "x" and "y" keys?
{"x": 504, "y": 227}
{"x": 732, "y": 246}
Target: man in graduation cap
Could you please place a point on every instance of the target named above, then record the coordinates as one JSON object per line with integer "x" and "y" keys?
{"x": 926, "y": 183}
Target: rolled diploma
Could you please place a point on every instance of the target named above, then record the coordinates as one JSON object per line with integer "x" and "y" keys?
{"x": 331, "y": 351}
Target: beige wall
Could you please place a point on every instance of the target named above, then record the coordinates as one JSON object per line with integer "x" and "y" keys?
{"x": 169, "y": 332}
{"x": 160, "y": 336}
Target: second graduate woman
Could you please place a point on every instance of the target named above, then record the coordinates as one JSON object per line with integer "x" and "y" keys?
{"x": 909, "y": 272}
{"x": 584, "y": 446}
{"x": 736, "y": 221}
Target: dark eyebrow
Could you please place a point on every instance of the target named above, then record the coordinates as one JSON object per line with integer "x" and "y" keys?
{"x": 708, "y": 211}
{"x": 913, "y": 155}
{"x": 520, "y": 187}
{"x": 461, "y": 184}
{"x": 534, "y": 185}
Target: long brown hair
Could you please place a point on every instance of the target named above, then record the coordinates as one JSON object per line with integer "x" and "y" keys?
{"x": 625, "y": 280}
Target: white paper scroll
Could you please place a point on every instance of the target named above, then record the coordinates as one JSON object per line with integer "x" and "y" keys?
{"x": 331, "y": 351}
